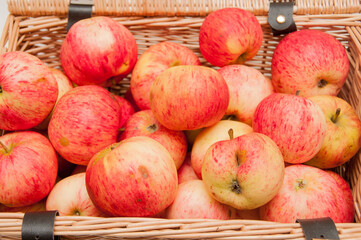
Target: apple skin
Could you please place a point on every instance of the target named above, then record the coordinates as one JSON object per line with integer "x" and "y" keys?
{"x": 135, "y": 177}
{"x": 152, "y": 62}
{"x": 208, "y": 136}
{"x": 194, "y": 202}
{"x": 143, "y": 123}
{"x": 28, "y": 171}
{"x": 127, "y": 109}
{"x": 70, "y": 198}
{"x": 189, "y": 97}
{"x": 343, "y": 137}
{"x": 230, "y": 36}
{"x": 36, "y": 207}
{"x": 98, "y": 51}
{"x": 247, "y": 88}
{"x": 245, "y": 172}
{"x": 296, "y": 124}
{"x": 186, "y": 171}
{"x": 85, "y": 120}
{"x": 303, "y": 58}
{"x": 308, "y": 192}
{"x": 28, "y": 91}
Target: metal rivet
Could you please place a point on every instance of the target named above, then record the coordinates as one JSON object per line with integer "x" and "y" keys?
{"x": 281, "y": 19}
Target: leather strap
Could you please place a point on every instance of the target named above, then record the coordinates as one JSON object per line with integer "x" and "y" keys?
{"x": 280, "y": 18}
{"x": 39, "y": 225}
{"x": 319, "y": 228}
{"x": 78, "y": 10}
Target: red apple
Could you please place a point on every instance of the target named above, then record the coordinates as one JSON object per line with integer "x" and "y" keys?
{"x": 247, "y": 87}
{"x": 129, "y": 97}
{"x": 70, "y": 198}
{"x": 189, "y": 97}
{"x": 85, "y": 120}
{"x": 245, "y": 172}
{"x": 296, "y": 124}
{"x": 99, "y": 51}
{"x": 126, "y": 109}
{"x": 343, "y": 133}
{"x": 152, "y": 62}
{"x": 194, "y": 201}
{"x": 311, "y": 61}
{"x": 28, "y": 168}
{"x": 143, "y": 123}
{"x": 208, "y": 136}
{"x": 229, "y": 36}
{"x": 186, "y": 172}
{"x": 308, "y": 192}
{"x": 135, "y": 177}
{"x": 28, "y": 91}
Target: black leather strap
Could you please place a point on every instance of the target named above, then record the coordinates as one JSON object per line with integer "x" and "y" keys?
{"x": 39, "y": 225}
{"x": 319, "y": 228}
{"x": 78, "y": 10}
{"x": 281, "y": 11}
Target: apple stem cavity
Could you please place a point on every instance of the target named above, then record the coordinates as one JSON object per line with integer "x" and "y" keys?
{"x": 241, "y": 59}
{"x": 1, "y": 89}
{"x": 298, "y": 93}
{"x": 235, "y": 187}
{"x": 334, "y": 117}
{"x": 152, "y": 128}
{"x": 4, "y": 147}
{"x": 301, "y": 184}
{"x": 230, "y": 133}
{"x": 322, "y": 83}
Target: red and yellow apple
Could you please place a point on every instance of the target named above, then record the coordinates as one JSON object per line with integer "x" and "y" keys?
{"x": 186, "y": 171}
{"x": 126, "y": 109}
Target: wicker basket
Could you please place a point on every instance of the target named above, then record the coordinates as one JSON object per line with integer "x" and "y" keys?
{"x": 39, "y": 27}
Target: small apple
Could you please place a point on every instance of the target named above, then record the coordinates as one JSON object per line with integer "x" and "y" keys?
{"x": 245, "y": 172}
{"x": 143, "y": 123}
{"x": 189, "y": 97}
{"x": 230, "y": 36}
{"x": 343, "y": 133}
{"x": 152, "y": 62}
{"x": 194, "y": 201}
{"x": 186, "y": 172}
{"x": 70, "y": 198}
{"x": 310, "y": 61}
{"x": 296, "y": 124}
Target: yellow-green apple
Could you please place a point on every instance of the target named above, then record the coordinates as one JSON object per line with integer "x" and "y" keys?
{"x": 125, "y": 108}
{"x": 229, "y": 36}
{"x": 28, "y": 91}
{"x": 309, "y": 192}
{"x": 98, "y": 50}
{"x": 310, "y": 61}
{"x": 194, "y": 201}
{"x": 343, "y": 133}
{"x": 152, "y": 62}
{"x": 245, "y": 172}
{"x": 39, "y": 206}
{"x": 143, "y": 123}
{"x": 247, "y": 88}
{"x": 189, "y": 97}
{"x": 70, "y": 198}
{"x": 85, "y": 120}
{"x": 64, "y": 85}
{"x": 208, "y": 136}
{"x": 186, "y": 171}
{"x": 134, "y": 177}
{"x": 28, "y": 168}
{"x": 296, "y": 124}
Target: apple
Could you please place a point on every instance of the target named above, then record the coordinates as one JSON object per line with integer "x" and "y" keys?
{"x": 343, "y": 133}
{"x": 207, "y": 137}
{"x": 230, "y": 36}
{"x": 189, "y": 97}
{"x": 244, "y": 172}
{"x": 194, "y": 201}
{"x": 129, "y": 97}
{"x": 28, "y": 168}
{"x": 99, "y": 51}
{"x": 39, "y": 206}
{"x": 186, "y": 171}
{"x": 152, "y": 62}
{"x": 308, "y": 192}
{"x": 70, "y": 198}
{"x": 296, "y": 124}
{"x": 311, "y": 61}
{"x": 85, "y": 120}
{"x": 143, "y": 123}
{"x": 135, "y": 177}
{"x": 126, "y": 109}
{"x": 28, "y": 91}
{"x": 64, "y": 85}
{"x": 247, "y": 87}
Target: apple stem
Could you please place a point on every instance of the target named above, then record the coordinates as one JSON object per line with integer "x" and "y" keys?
{"x": 334, "y": 117}
{"x": 235, "y": 187}
{"x": 4, "y": 147}
{"x": 230, "y": 133}
{"x": 322, "y": 83}
{"x": 298, "y": 93}
{"x": 1, "y": 89}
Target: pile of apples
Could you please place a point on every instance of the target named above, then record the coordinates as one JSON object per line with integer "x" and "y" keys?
{"x": 186, "y": 141}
